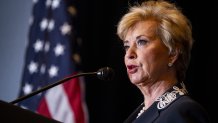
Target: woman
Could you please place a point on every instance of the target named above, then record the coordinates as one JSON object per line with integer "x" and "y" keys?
{"x": 157, "y": 39}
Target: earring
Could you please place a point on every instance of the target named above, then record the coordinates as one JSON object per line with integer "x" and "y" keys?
{"x": 170, "y": 64}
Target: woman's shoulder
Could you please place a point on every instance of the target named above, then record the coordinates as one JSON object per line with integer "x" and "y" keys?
{"x": 187, "y": 103}
{"x": 187, "y": 108}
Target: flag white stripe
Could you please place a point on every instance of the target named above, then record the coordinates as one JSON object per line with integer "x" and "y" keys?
{"x": 58, "y": 105}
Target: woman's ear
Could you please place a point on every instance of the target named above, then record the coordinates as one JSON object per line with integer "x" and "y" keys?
{"x": 173, "y": 56}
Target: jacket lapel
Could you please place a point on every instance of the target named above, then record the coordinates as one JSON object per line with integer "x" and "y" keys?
{"x": 149, "y": 115}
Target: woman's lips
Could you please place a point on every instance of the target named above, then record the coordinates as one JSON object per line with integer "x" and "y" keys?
{"x": 131, "y": 69}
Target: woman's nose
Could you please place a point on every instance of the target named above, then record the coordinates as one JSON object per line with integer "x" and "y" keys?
{"x": 130, "y": 53}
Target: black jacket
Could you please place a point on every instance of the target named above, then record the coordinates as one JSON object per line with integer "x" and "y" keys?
{"x": 174, "y": 106}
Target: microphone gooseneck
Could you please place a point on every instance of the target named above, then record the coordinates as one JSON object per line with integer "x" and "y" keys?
{"x": 105, "y": 73}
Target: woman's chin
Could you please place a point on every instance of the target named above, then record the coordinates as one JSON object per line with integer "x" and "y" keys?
{"x": 135, "y": 82}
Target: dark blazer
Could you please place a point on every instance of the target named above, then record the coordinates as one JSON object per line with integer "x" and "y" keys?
{"x": 174, "y": 106}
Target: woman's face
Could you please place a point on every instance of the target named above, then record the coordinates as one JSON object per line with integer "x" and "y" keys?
{"x": 146, "y": 57}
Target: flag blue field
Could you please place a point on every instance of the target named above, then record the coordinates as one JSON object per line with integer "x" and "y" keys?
{"x": 52, "y": 54}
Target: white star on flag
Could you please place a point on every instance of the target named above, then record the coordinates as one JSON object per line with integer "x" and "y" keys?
{"x": 48, "y": 3}
{"x": 65, "y": 29}
{"x": 33, "y": 66}
{"x": 53, "y": 71}
{"x": 43, "y": 24}
{"x": 51, "y": 25}
{"x": 59, "y": 50}
{"x": 55, "y": 4}
{"x": 27, "y": 88}
{"x": 38, "y": 45}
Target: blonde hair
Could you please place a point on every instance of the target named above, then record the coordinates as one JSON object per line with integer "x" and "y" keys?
{"x": 173, "y": 28}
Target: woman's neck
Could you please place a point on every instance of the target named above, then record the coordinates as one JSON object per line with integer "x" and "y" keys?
{"x": 153, "y": 91}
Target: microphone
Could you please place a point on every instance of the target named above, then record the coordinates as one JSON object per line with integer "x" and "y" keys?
{"x": 105, "y": 73}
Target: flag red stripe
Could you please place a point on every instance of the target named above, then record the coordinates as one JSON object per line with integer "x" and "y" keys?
{"x": 43, "y": 109}
{"x": 73, "y": 90}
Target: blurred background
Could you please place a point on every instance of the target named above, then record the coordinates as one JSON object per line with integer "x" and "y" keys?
{"x": 111, "y": 102}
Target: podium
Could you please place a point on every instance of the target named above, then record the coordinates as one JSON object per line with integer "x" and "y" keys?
{"x": 10, "y": 113}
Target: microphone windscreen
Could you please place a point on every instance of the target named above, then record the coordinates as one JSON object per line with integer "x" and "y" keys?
{"x": 105, "y": 73}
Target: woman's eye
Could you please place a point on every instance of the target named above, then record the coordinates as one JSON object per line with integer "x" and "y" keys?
{"x": 142, "y": 42}
{"x": 125, "y": 47}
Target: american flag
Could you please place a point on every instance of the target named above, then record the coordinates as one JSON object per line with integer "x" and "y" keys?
{"x": 53, "y": 54}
